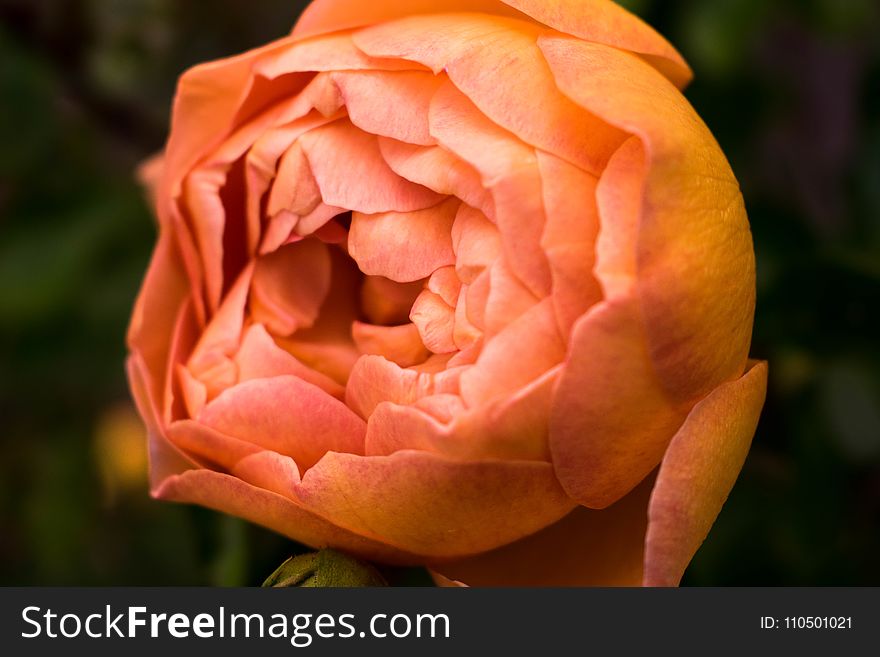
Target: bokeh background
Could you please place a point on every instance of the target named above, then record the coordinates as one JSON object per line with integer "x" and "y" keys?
{"x": 791, "y": 89}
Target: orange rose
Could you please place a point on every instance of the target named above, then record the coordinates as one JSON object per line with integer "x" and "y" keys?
{"x": 464, "y": 283}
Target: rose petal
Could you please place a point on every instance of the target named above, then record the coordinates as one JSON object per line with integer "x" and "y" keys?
{"x": 476, "y": 52}
{"x": 290, "y": 286}
{"x": 230, "y": 494}
{"x": 435, "y": 321}
{"x": 393, "y": 105}
{"x": 611, "y": 419}
{"x": 586, "y": 548}
{"x": 404, "y": 247}
{"x": 694, "y": 255}
{"x": 260, "y": 358}
{"x": 433, "y": 506}
{"x": 439, "y": 170}
{"x": 533, "y": 337}
{"x": 698, "y": 471}
{"x": 286, "y": 415}
{"x": 569, "y": 238}
{"x": 509, "y": 169}
{"x": 399, "y": 344}
{"x": 352, "y": 174}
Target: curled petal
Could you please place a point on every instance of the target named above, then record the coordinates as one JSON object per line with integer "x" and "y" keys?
{"x": 404, "y": 247}
{"x": 426, "y": 504}
{"x": 698, "y": 471}
{"x": 286, "y": 415}
{"x": 611, "y": 419}
{"x": 694, "y": 254}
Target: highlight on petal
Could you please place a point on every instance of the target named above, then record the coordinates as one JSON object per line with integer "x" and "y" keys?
{"x": 698, "y": 471}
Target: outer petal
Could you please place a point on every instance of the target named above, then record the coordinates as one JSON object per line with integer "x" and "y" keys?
{"x": 611, "y": 419}
{"x": 426, "y": 504}
{"x": 595, "y": 20}
{"x": 694, "y": 254}
{"x": 698, "y": 471}
{"x": 232, "y": 495}
{"x": 586, "y": 548}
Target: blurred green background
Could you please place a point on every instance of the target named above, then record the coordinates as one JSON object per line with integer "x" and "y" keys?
{"x": 791, "y": 89}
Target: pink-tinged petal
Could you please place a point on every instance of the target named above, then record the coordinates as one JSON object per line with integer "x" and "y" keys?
{"x": 477, "y": 298}
{"x": 508, "y": 428}
{"x": 351, "y": 172}
{"x": 290, "y": 285}
{"x": 165, "y": 458}
{"x": 221, "y": 337}
{"x": 295, "y": 188}
{"x": 393, "y": 105}
{"x": 508, "y": 298}
{"x": 586, "y": 548}
{"x": 464, "y": 333}
{"x": 155, "y": 315}
{"x": 230, "y": 494}
{"x": 605, "y": 21}
{"x": 435, "y": 321}
{"x": 324, "y": 16}
{"x": 433, "y": 506}
{"x": 445, "y": 283}
{"x": 194, "y": 392}
{"x": 695, "y": 260}
{"x": 611, "y": 419}
{"x": 477, "y": 52}
{"x": 619, "y": 196}
{"x": 286, "y": 415}
{"x": 476, "y": 242}
{"x": 534, "y": 339}
{"x": 318, "y": 222}
{"x": 375, "y": 379}
{"x": 569, "y": 237}
{"x": 327, "y": 346}
{"x": 602, "y": 21}
{"x": 399, "y": 344}
{"x": 388, "y": 302}
{"x": 403, "y": 246}
{"x": 697, "y": 473}
{"x": 207, "y": 100}
{"x": 259, "y": 358}
{"x": 206, "y": 209}
{"x": 211, "y": 448}
{"x": 333, "y": 52}
{"x": 509, "y": 169}
{"x": 278, "y": 231}
{"x": 261, "y": 165}
{"x": 438, "y": 170}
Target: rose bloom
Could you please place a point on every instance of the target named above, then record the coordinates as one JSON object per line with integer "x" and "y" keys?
{"x": 460, "y": 283}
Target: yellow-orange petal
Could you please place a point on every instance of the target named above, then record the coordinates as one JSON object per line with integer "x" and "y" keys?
{"x": 605, "y": 21}
{"x": 698, "y": 471}
{"x": 694, "y": 254}
{"x": 230, "y": 494}
{"x": 586, "y": 548}
{"x": 496, "y": 63}
{"x": 611, "y": 419}
{"x": 433, "y": 506}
